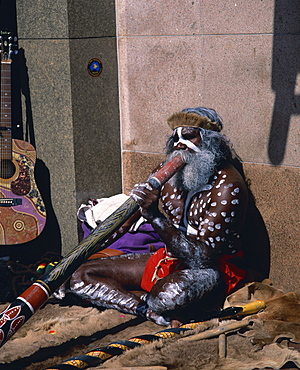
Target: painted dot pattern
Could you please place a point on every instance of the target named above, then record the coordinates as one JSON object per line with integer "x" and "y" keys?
{"x": 213, "y": 214}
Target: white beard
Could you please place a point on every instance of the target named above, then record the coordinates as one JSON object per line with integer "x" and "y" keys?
{"x": 197, "y": 172}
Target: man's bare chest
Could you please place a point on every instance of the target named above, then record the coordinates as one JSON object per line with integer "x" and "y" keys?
{"x": 178, "y": 204}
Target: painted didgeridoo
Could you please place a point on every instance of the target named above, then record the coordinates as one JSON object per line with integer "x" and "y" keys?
{"x": 24, "y": 306}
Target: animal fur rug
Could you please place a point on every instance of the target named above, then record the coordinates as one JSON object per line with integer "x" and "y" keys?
{"x": 56, "y": 333}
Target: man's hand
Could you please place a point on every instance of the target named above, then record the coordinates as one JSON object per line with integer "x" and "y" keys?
{"x": 147, "y": 198}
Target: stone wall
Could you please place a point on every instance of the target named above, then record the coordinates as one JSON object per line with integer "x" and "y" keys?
{"x": 238, "y": 57}
{"x": 75, "y": 116}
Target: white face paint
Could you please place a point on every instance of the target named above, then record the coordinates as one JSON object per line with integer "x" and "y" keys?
{"x": 186, "y": 142}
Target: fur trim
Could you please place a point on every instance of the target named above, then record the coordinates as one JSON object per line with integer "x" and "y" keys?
{"x": 181, "y": 119}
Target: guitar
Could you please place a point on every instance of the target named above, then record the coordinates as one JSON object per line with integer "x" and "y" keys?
{"x": 22, "y": 210}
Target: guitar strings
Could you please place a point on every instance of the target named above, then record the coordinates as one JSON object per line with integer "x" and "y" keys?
{"x": 6, "y": 139}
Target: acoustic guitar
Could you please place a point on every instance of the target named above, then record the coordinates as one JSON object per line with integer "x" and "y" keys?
{"x": 22, "y": 210}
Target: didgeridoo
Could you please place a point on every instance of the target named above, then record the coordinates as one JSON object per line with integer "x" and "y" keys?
{"x": 24, "y": 306}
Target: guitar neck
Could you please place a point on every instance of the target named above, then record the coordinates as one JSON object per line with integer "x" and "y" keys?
{"x": 5, "y": 115}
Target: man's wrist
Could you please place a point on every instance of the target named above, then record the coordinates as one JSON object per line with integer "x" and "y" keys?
{"x": 160, "y": 221}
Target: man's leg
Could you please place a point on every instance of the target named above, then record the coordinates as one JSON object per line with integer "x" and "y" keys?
{"x": 181, "y": 289}
{"x": 107, "y": 282}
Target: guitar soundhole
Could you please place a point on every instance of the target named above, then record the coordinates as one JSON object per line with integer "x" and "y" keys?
{"x": 7, "y": 169}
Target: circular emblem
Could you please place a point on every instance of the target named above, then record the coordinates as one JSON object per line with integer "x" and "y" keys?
{"x": 19, "y": 225}
{"x": 95, "y": 67}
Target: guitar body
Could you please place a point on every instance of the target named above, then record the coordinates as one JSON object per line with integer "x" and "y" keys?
{"x": 22, "y": 210}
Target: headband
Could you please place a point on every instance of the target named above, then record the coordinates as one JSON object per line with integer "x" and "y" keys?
{"x": 183, "y": 119}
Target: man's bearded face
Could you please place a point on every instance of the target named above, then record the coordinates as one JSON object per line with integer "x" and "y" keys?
{"x": 200, "y": 163}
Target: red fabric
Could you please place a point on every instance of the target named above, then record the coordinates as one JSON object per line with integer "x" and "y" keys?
{"x": 158, "y": 266}
{"x": 232, "y": 275}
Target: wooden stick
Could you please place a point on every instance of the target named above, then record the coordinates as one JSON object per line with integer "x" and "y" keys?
{"x": 19, "y": 311}
{"x": 222, "y": 345}
{"x": 216, "y": 331}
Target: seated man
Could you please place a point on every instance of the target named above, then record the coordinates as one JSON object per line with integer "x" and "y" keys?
{"x": 214, "y": 237}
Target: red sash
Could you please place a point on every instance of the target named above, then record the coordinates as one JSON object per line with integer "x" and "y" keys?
{"x": 158, "y": 266}
{"x": 232, "y": 275}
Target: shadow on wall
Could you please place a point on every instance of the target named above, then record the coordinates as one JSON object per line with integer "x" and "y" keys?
{"x": 50, "y": 239}
{"x": 285, "y": 70}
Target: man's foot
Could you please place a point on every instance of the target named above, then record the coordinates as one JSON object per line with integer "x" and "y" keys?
{"x": 175, "y": 324}
{"x": 159, "y": 320}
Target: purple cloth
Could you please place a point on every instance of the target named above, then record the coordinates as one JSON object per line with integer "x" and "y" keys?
{"x": 144, "y": 240}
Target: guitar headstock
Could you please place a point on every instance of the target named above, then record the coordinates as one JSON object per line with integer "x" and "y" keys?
{"x": 8, "y": 46}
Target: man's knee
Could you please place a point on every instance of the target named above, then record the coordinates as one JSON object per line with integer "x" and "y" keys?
{"x": 187, "y": 287}
{"x": 88, "y": 270}
{"x": 81, "y": 276}
{"x": 77, "y": 279}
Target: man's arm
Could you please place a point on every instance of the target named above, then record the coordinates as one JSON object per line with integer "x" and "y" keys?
{"x": 194, "y": 253}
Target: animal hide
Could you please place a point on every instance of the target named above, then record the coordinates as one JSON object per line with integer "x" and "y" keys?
{"x": 56, "y": 333}
{"x": 199, "y": 355}
{"x": 278, "y": 321}
{"x": 54, "y": 325}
